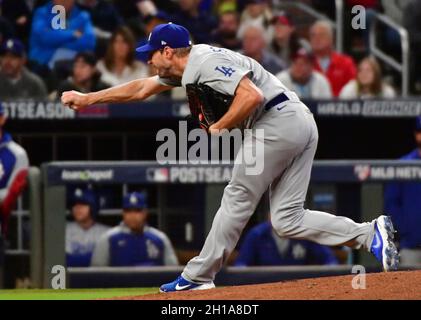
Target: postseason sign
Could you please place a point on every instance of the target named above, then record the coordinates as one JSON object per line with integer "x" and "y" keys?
{"x": 44, "y": 110}
{"x": 31, "y": 110}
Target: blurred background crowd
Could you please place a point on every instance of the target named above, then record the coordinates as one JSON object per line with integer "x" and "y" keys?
{"x": 96, "y": 49}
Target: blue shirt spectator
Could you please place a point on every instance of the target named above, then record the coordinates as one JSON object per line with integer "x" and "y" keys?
{"x": 200, "y": 23}
{"x": 48, "y": 44}
{"x": 262, "y": 247}
{"x": 133, "y": 243}
{"x": 403, "y": 203}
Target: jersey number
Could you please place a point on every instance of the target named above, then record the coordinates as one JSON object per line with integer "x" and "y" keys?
{"x": 225, "y": 71}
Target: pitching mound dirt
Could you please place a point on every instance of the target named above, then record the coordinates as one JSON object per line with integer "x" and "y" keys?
{"x": 379, "y": 286}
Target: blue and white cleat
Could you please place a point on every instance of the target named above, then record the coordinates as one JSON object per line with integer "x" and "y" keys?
{"x": 383, "y": 247}
{"x": 181, "y": 284}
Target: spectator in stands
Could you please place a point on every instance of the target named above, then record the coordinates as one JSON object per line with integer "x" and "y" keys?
{"x": 85, "y": 76}
{"x": 199, "y": 23}
{"x": 19, "y": 14}
{"x": 403, "y": 203}
{"x": 226, "y": 34}
{"x": 338, "y": 68}
{"x": 285, "y": 40}
{"x": 105, "y": 19}
{"x": 133, "y": 242}
{"x": 48, "y": 45}
{"x": 14, "y": 166}
{"x": 263, "y": 247}
{"x": 368, "y": 84}
{"x": 84, "y": 232}
{"x": 254, "y": 46}
{"x": 303, "y": 79}
{"x": 17, "y": 82}
{"x": 256, "y": 13}
{"x": 119, "y": 64}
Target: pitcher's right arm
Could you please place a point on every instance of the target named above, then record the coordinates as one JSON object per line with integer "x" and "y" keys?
{"x": 136, "y": 90}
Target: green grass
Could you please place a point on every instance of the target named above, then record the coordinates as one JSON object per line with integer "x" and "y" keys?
{"x": 72, "y": 294}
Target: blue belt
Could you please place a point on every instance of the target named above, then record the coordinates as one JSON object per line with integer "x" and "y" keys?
{"x": 280, "y": 98}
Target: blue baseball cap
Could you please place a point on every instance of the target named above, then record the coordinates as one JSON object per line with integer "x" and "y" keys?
{"x": 418, "y": 123}
{"x": 134, "y": 200}
{"x": 14, "y": 46}
{"x": 85, "y": 196}
{"x": 163, "y": 35}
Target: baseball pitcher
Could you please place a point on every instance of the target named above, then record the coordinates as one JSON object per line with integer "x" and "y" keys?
{"x": 259, "y": 101}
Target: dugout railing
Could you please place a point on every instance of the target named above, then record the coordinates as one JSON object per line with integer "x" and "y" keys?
{"x": 48, "y": 212}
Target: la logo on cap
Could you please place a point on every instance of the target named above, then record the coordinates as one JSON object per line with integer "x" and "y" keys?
{"x": 133, "y": 199}
{"x": 9, "y": 44}
{"x": 78, "y": 193}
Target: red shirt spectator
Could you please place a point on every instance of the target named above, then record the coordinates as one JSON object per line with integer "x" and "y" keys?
{"x": 338, "y": 68}
{"x": 341, "y": 70}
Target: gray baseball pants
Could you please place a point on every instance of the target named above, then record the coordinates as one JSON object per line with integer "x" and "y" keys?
{"x": 290, "y": 142}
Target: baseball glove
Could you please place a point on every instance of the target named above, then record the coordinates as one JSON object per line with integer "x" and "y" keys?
{"x": 207, "y": 105}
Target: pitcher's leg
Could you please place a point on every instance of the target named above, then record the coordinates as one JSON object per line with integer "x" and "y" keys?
{"x": 290, "y": 219}
{"x": 243, "y": 193}
{"x": 238, "y": 203}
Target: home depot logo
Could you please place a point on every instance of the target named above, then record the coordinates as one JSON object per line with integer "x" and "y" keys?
{"x": 87, "y": 175}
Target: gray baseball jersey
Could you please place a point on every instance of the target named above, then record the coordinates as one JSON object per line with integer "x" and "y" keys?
{"x": 290, "y": 142}
{"x": 223, "y": 69}
{"x": 82, "y": 241}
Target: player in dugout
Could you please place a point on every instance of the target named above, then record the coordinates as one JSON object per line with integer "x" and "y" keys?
{"x": 133, "y": 242}
{"x": 83, "y": 232}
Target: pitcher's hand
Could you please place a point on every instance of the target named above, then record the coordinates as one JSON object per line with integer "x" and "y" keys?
{"x": 74, "y": 100}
